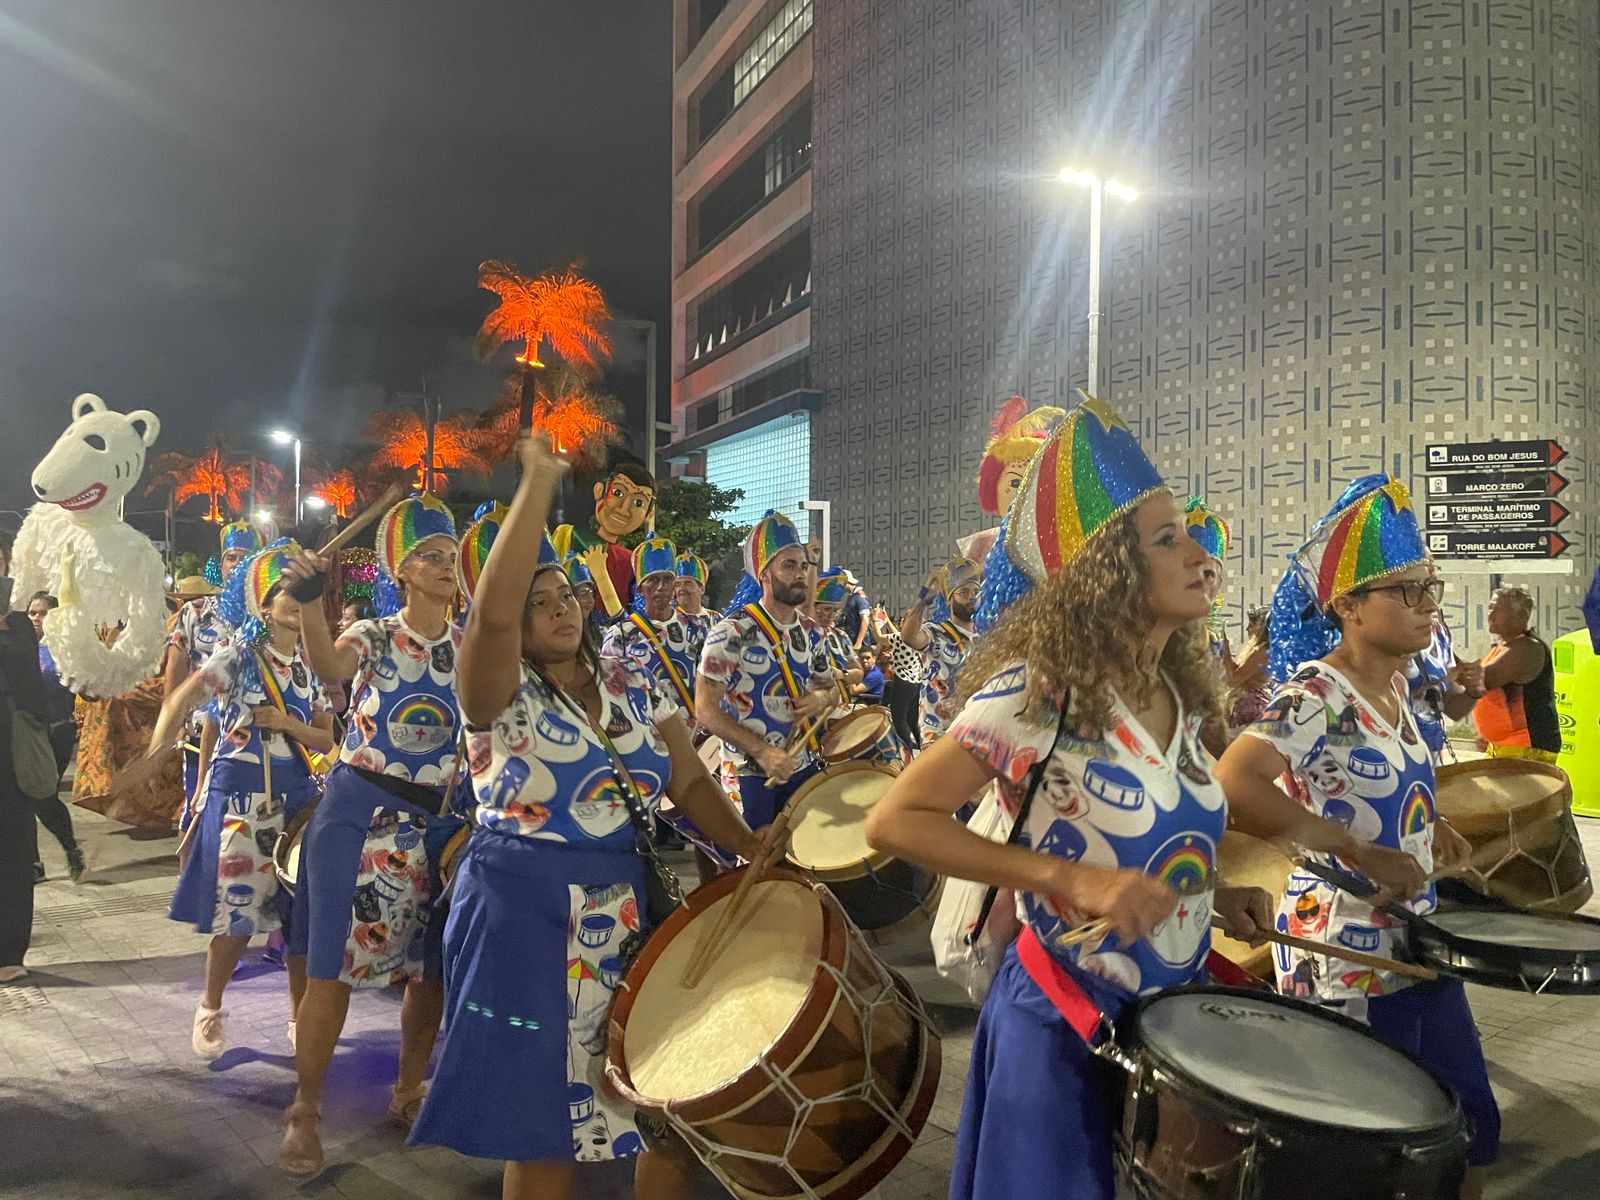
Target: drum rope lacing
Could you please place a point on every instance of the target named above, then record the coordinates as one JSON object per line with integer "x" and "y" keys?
{"x": 1516, "y": 850}
{"x": 889, "y": 994}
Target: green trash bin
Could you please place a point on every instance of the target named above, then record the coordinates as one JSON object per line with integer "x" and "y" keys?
{"x": 1578, "y": 706}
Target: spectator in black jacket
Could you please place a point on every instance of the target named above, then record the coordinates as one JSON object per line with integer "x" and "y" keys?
{"x": 24, "y": 688}
{"x": 53, "y": 814}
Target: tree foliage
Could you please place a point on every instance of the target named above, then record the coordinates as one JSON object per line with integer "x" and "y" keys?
{"x": 557, "y": 306}
{"x": 581, "y": 420}
{"x": 690, "y": 514}
{"x": 214, "y": 474}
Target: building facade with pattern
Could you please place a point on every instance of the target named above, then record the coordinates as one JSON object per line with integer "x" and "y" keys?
{"x": 1363, "y": 227}
{"x": 742, "y": 381}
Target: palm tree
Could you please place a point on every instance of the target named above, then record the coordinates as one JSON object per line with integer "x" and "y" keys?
{"x": 558, "y": 306}
{"x": 402, "y": 439}
{"x": 578, "y": 418}
{"x": 212, "y": 474}
{"x": 339, "y": 491}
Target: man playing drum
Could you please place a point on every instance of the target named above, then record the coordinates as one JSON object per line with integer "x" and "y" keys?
{"x": 764, "y": 676}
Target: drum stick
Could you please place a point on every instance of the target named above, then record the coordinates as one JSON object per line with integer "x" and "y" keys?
{"x": 391, "y": 496}
{"x": 1094, "y": 931}
{"x": 701, "y": 960}
{"x": 1377, "y": 962}
{"x": 796, "y": 740}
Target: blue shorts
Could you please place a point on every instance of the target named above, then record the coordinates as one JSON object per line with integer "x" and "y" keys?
{"x": 762, "y": 804}
{"x": 1432, "y": 1023}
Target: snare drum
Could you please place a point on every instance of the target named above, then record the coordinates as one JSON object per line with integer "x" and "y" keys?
{"x": 286, "y": 848}
{"x": 1518, "y": 816}
{"x": 861, "y": 733}
{"x": 1245, "y": 861}
{"x": 1524, "y": 951}
{"x": 828, "y": 837}
{"x": 1219, "y": 1087}
{"x": 801, "y": 1064}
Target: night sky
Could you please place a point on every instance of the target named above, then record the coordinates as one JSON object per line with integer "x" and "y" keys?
{"x": 243, "y": 214}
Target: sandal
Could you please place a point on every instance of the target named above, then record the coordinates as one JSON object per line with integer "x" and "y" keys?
{"x": 405, "y": 1106}
{"x": 301, "y": 1152}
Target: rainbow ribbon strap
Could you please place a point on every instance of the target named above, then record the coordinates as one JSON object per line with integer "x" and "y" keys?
{"x": 269, "y": 684}
{"x": 682, "y": 688}
{"x": 765, "y": 623}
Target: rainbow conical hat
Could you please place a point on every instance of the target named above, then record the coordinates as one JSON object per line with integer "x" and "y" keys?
{"x": 577, "y": 570}
{"x": 240, "y": 535}
{"x": 770, "y": 535}
{"x": 831, "y": 586}
{"x": 476, "y": 543}
{"x": 1090, "y": 470}
{"x": 654, "y": 556}
{"x": 406, "y": 526}
{"x": 1209, "y": 531}
{"x": 243, "y": 602}
{"x": 1371, "y": 532}
{"x": 692, "y": 566}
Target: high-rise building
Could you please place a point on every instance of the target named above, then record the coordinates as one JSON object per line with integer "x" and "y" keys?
{"x": 742, "y": 394}
{"x": 1363, "y": 230}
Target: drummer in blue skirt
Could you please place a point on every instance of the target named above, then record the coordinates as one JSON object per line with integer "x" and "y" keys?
{"x": 551, "y": 890}
{"x": 399, "y": 754}
{"x": 270, "y": 710}
{"x": 1097, "y": 672}
{"x": 1358, "y": 602}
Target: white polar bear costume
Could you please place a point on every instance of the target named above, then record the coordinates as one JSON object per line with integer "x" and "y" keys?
{"x": 74, "y": 545}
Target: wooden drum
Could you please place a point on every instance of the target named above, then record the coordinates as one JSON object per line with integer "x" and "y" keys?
{"x": 862, "y": 733}
{"x": 800, "y": 1066}
{"x": 1517, "y": 814}
{"x": 1245, "y": 861}
{"x": 828, "y": 837}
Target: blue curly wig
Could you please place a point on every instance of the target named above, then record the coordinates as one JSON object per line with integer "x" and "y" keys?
{"x": 1003, "y": 582}
{"x": 748, "y": 592}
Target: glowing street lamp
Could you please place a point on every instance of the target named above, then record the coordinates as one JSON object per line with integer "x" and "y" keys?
{"x": 316, "y": 503}
{"x": 1098, "y": 189}
{"x": 284, "y": 438}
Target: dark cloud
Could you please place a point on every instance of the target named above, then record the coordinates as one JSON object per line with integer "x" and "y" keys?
{"x": 242, "y": 214}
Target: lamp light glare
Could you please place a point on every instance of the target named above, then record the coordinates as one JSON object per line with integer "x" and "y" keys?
{"x": 1121, "y": 191}
{"x": 282, "y": 436}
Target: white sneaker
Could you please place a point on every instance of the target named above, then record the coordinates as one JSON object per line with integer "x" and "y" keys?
{"x": 292, "y": 1046}
{"x": 12, "y": 974}
{"x": 208, "y": 1040}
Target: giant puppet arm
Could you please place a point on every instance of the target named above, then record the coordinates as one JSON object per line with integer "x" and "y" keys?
{"x": 106, "y": 575}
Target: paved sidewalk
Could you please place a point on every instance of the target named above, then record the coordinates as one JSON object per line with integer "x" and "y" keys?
{"x": 101, "y": 1096}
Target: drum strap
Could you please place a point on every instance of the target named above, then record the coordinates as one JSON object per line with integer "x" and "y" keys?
{"x": 1063, "y": 992}
{"x": 780, "y": 654}
{"x": 642, "y": 624}
{"x": 269, "y": 685}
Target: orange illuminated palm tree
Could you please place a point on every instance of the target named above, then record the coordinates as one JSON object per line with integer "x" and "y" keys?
{"x": 212, "y": 474}
{"x": 402, "y": 439}
{"x": 339, "y": 491}
{"x": 580, "y": 420}
{"x": 557, "y": 307}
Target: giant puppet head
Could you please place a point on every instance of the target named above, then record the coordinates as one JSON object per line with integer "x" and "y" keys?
{"x": 96, "y": 462}
{"x": 624, "y": 502}
{"x": 1015, "y": 436}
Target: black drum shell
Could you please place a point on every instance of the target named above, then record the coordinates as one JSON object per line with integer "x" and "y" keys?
{"x": 1495, "y": 964}
{"x": 1181, "y": 1138}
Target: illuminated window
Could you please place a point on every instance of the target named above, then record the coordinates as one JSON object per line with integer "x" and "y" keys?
{"x": 771, "y": 463}
{"x": 776, "y": 38}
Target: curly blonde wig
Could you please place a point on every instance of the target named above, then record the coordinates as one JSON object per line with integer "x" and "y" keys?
{"x": 1081, "y": 632}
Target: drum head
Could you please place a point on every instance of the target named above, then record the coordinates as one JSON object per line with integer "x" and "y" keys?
{"x": 1480, "y": 795}
{"x": 683, "y": 1042}
{"x": 1521, "y": 930}
{"x": 829, "y": 830}
{"x": 855, "y": 733}
{"x": 1291, "y": 1059}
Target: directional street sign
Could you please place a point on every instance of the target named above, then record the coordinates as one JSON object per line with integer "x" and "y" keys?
{"x": 1494, "y": 456}
{"x": 1497, "y": 511}
{"x": 1498, "y": 483}
{"x": 1498, "y": 543}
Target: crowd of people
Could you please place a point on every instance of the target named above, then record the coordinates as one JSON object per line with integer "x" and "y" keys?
{"x": 465, "y": 790}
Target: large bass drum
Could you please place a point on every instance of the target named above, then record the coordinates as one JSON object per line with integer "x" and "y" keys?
{"x": 800, "y": 1066}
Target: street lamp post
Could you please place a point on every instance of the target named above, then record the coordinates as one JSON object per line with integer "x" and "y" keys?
{"x": 284, "y": 438}
{"x": 1098, "y": 190}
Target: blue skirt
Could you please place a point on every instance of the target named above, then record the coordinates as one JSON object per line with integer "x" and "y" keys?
{"x": 1036, "y": 1117}
{"x": 228, "y": 885}
{"x": 531, "y": 960}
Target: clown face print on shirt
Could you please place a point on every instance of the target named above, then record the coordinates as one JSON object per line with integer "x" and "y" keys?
{"x": 1350, "y": 766}
{"x": 541, "y": 771}
{"x": 1119, "y": 800}
{"x": 403, "y": 717}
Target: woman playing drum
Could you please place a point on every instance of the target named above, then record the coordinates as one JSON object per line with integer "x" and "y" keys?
{"x": 552, "y": 883}
{"x": 1102, "y": 670}
{"x": 399, "y": 753}
{"x": 270, "y": 711}
{"x": 1358, "y": 602}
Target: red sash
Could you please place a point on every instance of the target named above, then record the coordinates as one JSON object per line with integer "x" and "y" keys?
{"x": 1059, "y": 987}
